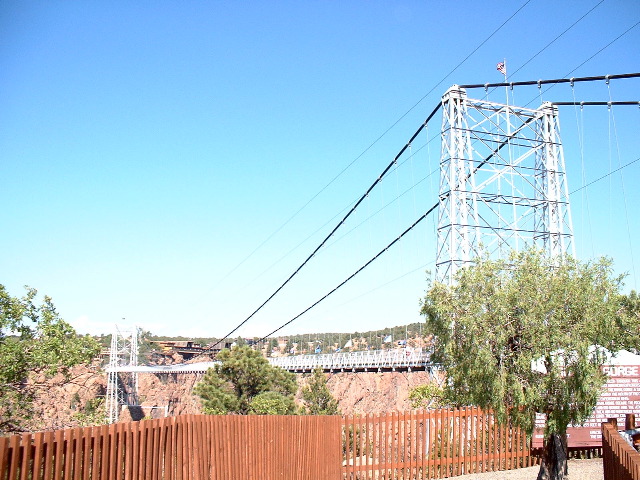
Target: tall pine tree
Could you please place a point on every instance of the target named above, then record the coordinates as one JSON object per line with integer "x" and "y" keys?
{"x": 317, "y": 397}
{"x": 244, "y": 383}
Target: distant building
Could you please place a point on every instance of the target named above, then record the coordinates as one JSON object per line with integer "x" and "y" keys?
{"x": 188, "y": 349}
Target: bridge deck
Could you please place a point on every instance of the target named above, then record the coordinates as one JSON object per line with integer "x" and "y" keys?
{"x": 370, "y": 360}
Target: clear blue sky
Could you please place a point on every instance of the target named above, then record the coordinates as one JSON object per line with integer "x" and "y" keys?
{"x": 151, "y": 151}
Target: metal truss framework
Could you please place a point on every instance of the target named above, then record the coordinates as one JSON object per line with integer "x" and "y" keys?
{"x": 502, "y": 182}
{"x": 373, "y": 360}
{"x": 122, "y": 387}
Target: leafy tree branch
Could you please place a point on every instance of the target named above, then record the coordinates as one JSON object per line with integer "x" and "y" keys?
{"x": 33, "y": 339}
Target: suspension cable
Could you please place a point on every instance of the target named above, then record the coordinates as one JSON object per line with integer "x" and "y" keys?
{"x": 605, "y": 175}
{"x": 397, "y": 239}
{"x": 552, "y": 81}
{"x": 549, "y": 44}
{"x": 503, "y": 143}
{"x": 335, "y": 229}
{"x": 485, "y": 161}
{"x": 624, "y": 195}
{"x": 607, "y": 104}
{"x": 394, "y": 162}
{"x": 383, "y": 134}
{"x": 585, "y": 196}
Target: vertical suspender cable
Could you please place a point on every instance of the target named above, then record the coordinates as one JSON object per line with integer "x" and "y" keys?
{"x": 624, "y": 195}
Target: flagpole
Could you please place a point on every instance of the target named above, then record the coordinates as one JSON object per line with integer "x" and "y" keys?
{"x": 506, "y": 88}
{"x": 508, "y": 122}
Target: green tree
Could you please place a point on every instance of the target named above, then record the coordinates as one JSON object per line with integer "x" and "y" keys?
{"x": 631, "y": 305}
{"x": 272, "y": 403}
{"x": 632, "y": 302}
{"x": 429, "y": 395}
{"x": 317, "y": 397}
{"x": 146, "y": 347}
{"x": 242, "y": 378}
{"x": 33, "y": 339}
{"x": 271, "y": 344}
{"x": 94, "y": 413}
{"x": 288, "y": 347}
{"x": 528, "y": 335}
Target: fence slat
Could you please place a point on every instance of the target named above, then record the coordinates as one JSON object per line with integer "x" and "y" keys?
{"x": 422, "y": 442}
{"x": 127, "y": 445}
{"x": 86, "y": 454}
{"x": 405, "y": 444}
{"x": 14, "y": 454}
{"x": 4, "y": 455}
{"x": 25, "y": 466}
{"x": 169, "y": 449}
{"x": 95, "y": 452}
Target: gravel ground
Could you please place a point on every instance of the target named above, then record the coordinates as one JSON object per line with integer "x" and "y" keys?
{"x": 588, "y": 469}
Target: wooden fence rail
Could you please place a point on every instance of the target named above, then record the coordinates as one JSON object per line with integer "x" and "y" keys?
{"x": 431, "y": 444}
{"x": 620, "y": 461}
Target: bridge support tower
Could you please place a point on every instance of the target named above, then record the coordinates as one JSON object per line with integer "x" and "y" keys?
{"x": 502, "y": 182}
{"x": 122, "y": 388}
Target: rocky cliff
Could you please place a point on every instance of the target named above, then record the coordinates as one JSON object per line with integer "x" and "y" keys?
{"x": 79, "y": 402}
{"x": 369, "y": 392}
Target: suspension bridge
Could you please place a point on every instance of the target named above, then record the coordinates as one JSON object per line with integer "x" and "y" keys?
{"x": 358, "y": 361}
{"x": 502, "y": 186}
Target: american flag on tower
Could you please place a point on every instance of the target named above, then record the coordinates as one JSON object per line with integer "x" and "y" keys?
{"x": 502, "y": 68}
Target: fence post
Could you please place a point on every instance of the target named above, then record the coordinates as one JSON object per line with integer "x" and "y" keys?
{"x": 630, "y": 421}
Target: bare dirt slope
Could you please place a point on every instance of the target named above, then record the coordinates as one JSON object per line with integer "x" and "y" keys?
{"x": 370, "y": 392}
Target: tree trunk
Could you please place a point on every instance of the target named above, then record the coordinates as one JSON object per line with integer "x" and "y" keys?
{"x": 554, "y": 458}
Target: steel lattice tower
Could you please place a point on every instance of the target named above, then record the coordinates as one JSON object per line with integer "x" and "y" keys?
{"x": 122, "y": 388}
{"x": 502, "y": 182}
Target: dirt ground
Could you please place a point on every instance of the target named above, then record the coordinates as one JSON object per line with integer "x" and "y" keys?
{"x": 588, "y": 469}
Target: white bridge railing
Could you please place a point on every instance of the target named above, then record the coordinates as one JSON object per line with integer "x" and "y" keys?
{"x": 199, "y": 367}
{"x": 403, "y": 359}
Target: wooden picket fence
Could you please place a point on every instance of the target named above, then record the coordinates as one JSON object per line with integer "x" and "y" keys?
{"x": 620, "y": 461}
{"x": 409, "y": 445}
{"x": 188, "y": 447}
{"x": 431, "y": 444}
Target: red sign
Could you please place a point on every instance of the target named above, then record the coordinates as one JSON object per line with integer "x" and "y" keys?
{"x": 621, "y": 395}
